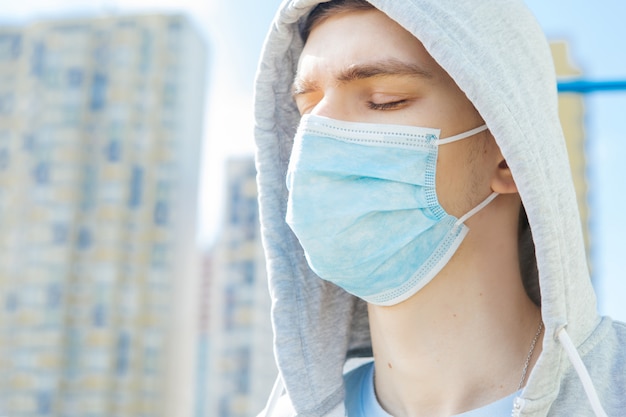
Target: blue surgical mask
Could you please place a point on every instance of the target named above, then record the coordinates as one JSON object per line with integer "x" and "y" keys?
{"x": 362, "y": 203}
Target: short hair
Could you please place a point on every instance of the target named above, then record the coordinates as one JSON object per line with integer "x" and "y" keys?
{"x": 526, "y": 245}
{"x": 325, "y": 10}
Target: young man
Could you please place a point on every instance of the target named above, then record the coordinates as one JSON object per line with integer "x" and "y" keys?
{"x": 404, "y": 148}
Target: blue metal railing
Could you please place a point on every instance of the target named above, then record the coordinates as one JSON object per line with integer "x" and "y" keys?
{"x": 582, "y": 86}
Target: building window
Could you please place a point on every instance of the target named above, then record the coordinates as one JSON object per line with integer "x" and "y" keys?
{"x": 54, "y": 295}
{"x": 159, "y": 255}
{"x": 136, "y": 186}
{"x": 38, "y": 60}
{"x": 98, "y": 92}
{"x": 161, "y": 213}
{"x": 10, "y": 46}
{"x": 89, "y": 187}
{"x": 242, "y": 379}
{"x": 4, "y": 159}
{"x": 84, "y": 239}
{"x": 60, "y": 233}
{"x": 44, "y": 402}
{"x": 123, "y": 353}
{"x": 74, "y": 77}
{"x": 42, "y": 173}
{"x": 11, "y": 302}
{"x": 114, "y": 151}
{"x": 29, "y": 142}
{"x": 99, "y": 315}
{"x": 7, "y": 103}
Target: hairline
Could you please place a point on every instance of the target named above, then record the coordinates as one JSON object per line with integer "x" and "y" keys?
{"x": 325, "y": 10}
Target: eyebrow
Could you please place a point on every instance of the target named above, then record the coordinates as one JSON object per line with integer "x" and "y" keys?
{"x": 383, "y": 68}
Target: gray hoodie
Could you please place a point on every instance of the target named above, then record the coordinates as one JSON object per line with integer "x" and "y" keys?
{"x": 497, "y": 54}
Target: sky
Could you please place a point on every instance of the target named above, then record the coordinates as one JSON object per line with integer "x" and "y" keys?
{"x": 234, "y": 31}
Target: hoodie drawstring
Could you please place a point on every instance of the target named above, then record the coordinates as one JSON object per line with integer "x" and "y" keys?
{"x": 277, "y": 391}
{"x": 582, "y": 372}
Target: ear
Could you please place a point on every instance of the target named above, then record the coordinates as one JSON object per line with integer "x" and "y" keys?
{"x": 502, "y": 182}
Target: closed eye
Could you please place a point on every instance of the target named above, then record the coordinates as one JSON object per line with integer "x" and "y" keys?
{"x": 392, "y": 105}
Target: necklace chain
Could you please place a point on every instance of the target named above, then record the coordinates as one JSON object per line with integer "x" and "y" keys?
{"x": 530, "y": 355}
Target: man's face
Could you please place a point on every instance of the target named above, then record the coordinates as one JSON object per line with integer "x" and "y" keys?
{"x": 364, "y": 67}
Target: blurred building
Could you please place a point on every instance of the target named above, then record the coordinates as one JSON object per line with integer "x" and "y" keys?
{"x": 241, "y": 362}
{"x": 100, "y": 132}
{"x": 572, "y": 116}
{"x": 203, "y": 353}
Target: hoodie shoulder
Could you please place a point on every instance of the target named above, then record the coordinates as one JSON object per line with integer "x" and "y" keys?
{"x": 604, "y": 356}
{"x": 284, "y": 408}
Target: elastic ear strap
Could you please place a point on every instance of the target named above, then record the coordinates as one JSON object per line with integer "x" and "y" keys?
{"x": 477, "y": 208}
{"x": 462, "y": 135}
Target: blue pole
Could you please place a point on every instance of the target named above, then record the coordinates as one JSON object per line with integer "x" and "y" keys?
{"x": 582, "y": 86}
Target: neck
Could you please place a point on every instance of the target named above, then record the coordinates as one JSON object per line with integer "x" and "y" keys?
{"x": 462, "y": 340}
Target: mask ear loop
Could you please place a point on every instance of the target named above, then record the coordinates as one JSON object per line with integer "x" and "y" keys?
{"x": 462, "y": 135}
{"x": 476, "y": 209}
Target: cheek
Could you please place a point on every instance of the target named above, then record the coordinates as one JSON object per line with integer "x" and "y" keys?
{"x": 459, "y": 180}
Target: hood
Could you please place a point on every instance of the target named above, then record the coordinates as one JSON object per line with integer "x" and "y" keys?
{"x": 497, "y": 54}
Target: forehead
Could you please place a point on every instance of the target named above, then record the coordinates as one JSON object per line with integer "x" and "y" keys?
{"x": 357, "y": 37}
